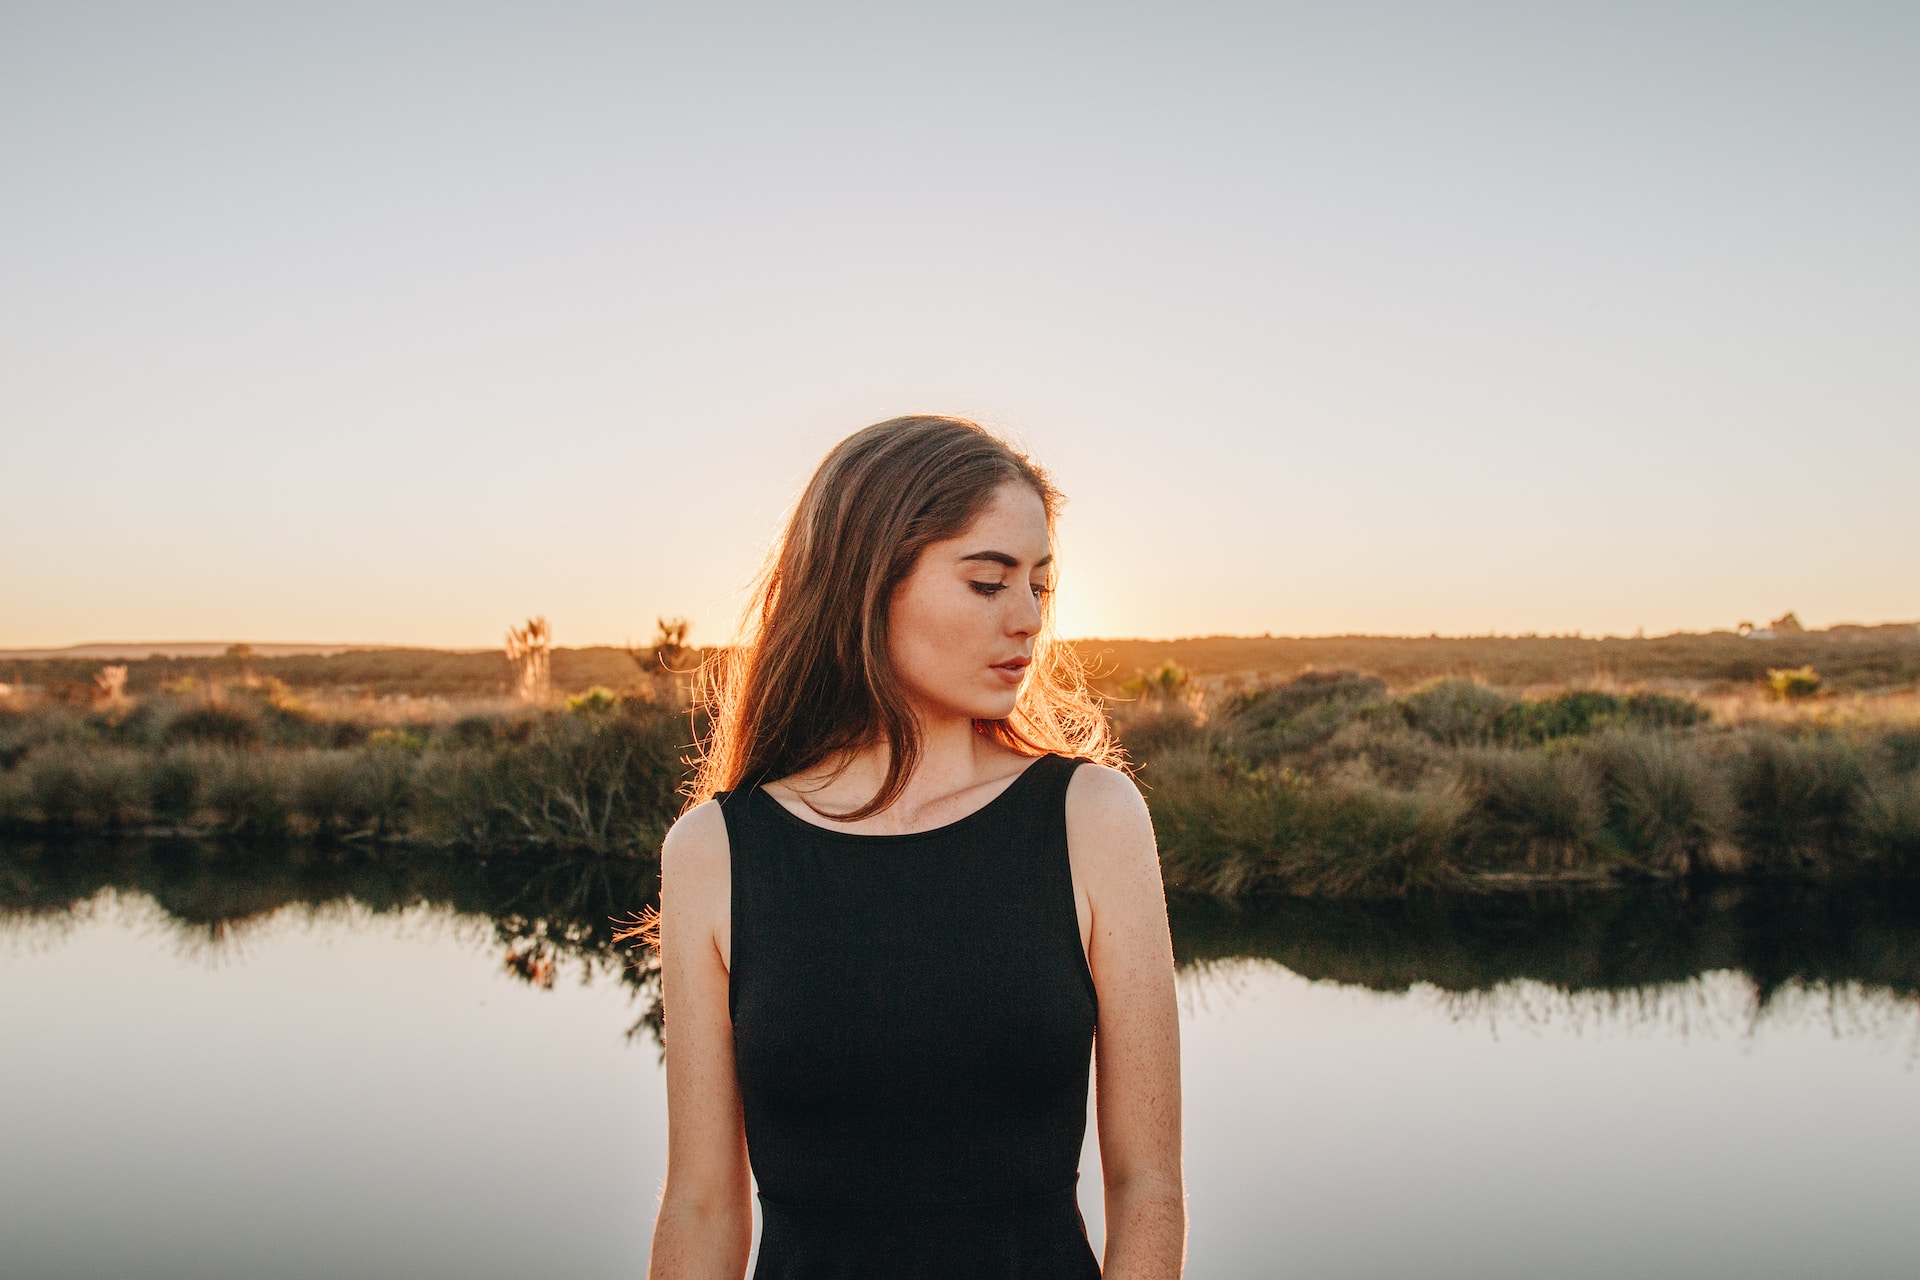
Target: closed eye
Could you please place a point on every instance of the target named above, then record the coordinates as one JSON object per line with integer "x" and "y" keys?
{"x": 988, "y": 588}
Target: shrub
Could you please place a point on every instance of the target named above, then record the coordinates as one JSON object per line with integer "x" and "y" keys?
{"x": 23, "y": 731}
{"x": 114, "y": 789}
{"x": 602, "y": 783}
{"x": 1230, "y": 832}
{"x": 366, "y": 792}
{"x": 1799, "y": 803}
{"x": 455, "y": 805}
{"x": 251, "y": 793}
{"x": 1900, "y": 750}
{"x": 597, "y": 699}
{"x": 323, "y": 790}
{"x": 1153, "y": 729}
{"x": 16, "y": 809}
{"x": 381, "y": 789}
{"x": 1266, "y": 724}
{"x": 1454, "y": 711}
{"x": 1539, "y": 807}
{"x": 1166, "y": 682}
{"x": 68, "y": 785}
{"x": 402, "y": 741}
{"x": 1890, "y": 821}
{"x": 177, "y": 781}
{"x": 1580, "y": 712}
{"x": 55, "y": 784}
{"x": 1663, "y": 711}
{"x": 227, "y": 724}
{"x": 1794, "y": 682}
{"x": 472, "y": 731}
{"x": 1665, "y": 803}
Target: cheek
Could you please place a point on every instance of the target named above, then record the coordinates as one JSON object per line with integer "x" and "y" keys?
{"x": 936, "y": 633}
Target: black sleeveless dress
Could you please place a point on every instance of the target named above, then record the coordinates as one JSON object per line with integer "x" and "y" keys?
{"x": 912, "y": 1025}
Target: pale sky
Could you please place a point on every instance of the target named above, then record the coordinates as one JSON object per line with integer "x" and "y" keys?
{"x": 401, "y": 321}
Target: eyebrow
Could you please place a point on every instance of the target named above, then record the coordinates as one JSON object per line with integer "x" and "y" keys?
{"x": 1011, "y": 562}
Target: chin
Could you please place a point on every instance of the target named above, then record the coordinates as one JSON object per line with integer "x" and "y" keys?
{"x": 994, "y": 708}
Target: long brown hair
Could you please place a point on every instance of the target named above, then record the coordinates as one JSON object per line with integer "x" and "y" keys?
{"x": 812, "y": 680}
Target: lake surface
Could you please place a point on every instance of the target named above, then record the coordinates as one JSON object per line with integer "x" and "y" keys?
{"x": 248, "y": 1066}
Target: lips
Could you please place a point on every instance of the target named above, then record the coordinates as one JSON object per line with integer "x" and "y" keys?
{"x": 1015, "y": 665}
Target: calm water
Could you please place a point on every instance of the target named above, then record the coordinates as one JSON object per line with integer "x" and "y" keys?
{"x": 260, "y": 1067}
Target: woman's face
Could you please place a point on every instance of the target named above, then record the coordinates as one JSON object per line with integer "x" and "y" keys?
{"x": 960, "y": 627}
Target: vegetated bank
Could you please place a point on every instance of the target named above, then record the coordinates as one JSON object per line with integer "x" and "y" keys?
{"x": 1326, "y": 784}
{"x": 254, "y": 764}
{"x": 1331, "y": 784}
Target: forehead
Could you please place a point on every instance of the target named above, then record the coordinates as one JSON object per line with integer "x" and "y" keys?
{"x": 1015, "y": 521}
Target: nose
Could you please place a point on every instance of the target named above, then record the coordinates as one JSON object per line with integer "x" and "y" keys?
{"x": 1024, "y": 619}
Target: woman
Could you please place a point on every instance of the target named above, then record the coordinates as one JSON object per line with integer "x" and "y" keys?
{"x": 906, "y": 889}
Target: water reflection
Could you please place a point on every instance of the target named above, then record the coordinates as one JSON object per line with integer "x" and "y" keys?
{"x": 328, "y": 1081}
{"x": 546, "y": 916}
{"x": 1728, "y": 958}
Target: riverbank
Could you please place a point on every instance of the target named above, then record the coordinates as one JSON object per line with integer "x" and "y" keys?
{"x": 1329, "y": 784}
{"x": 255, "y": 764}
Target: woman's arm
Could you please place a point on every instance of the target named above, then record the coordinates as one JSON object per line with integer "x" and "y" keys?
{"x": 705, "y": 1226}
{"x": 1137, "y": 1051}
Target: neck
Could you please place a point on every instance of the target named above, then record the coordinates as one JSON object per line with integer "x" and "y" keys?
{"x": 953, "y": 756}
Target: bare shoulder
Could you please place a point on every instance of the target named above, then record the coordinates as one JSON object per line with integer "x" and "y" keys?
{"x": 695, "y": 852}
{"x": 1108, "y": 828}
{"x": 1101, "y": 793}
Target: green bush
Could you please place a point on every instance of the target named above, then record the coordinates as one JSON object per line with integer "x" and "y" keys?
{"x": 1793, "y": 682}
{"x": 1578, "y": 713}
{"x": 592, "y": 701}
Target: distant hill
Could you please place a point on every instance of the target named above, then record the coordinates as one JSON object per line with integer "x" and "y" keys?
{"x": 1849, "y": 657}
{"x": 116, "y": 652}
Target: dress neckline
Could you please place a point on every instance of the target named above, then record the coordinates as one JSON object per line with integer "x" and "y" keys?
{"x": 896, "y": 837}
